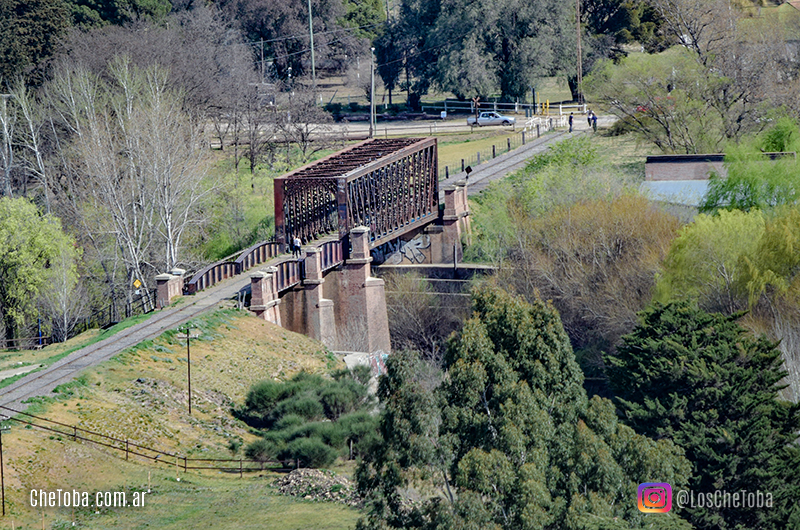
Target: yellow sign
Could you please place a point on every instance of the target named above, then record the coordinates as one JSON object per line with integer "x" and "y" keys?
{"x": 137, "y": 284}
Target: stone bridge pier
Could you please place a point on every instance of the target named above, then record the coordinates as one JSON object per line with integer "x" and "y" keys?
{"x": 345, "y": 309}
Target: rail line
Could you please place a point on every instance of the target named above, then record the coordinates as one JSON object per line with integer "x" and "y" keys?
{"x": 45, "y": 380}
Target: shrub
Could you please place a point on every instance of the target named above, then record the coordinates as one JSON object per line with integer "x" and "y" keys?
{"x": 309, "y": 452}
{"x": 261, "y": 450}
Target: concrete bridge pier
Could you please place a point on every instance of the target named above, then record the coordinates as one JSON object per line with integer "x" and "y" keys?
{"x": 319, "y": 317}
{"x": 363, "y": 323}
{"x": 455, "y": 220}
{"x": 264, "y": 301}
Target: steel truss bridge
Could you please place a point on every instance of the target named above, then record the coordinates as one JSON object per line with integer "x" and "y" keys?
{"x": 388, "y": 185}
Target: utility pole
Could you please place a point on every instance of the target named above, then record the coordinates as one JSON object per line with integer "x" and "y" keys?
{"x": 579, "y": 79}
{"x": 2, "y": 476}
{"x": 372, "y": 92}
{"x": 187, "y": 329}
{"x": 311, "y": 33}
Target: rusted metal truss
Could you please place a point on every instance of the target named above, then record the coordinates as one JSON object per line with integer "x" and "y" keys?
{"x": 390, "y": 186}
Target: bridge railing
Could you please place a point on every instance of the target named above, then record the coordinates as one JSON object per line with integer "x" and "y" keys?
{"x": 258, "y": 254}
{"x": 288, "y": 275}
{"x": 211, "y": 274}
{"x": 331, "y": 254}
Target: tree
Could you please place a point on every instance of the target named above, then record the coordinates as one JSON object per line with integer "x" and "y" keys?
{"x": 753, "y": 180}
{"x": 705, "y": 263}
{"x": 512, "y": 42}
{"x": 701, "y": 381}
{"x": 509, "y": 435}
{"x": 32, "y": 247}
{"x": 30, "y": 31}
{"x": 717, "y": 86}
{"x": 306, "y": 125}
{"x": 421, "y": 319}
{"x": 135, "y": 163}
{"x": 570, "y": 229}
{"x": 94, "y": 13}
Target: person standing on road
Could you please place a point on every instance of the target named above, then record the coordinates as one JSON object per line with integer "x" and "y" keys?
{"x": 570, "y": 122}
{"x": 589, "y": 117}
{"x": 594, "y": 122}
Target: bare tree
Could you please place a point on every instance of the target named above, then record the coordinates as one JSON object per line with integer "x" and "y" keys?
{"x": 31, "y": 137}
{"x": 303, "y": 123}
{"x": 8, "y": 119}
{"x": 136, "y": 161}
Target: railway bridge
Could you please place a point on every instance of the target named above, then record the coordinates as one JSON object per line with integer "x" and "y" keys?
{"x": 376, "y": 201}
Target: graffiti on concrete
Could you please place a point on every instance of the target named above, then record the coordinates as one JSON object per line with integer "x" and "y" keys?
{"x": 395, "y": 252}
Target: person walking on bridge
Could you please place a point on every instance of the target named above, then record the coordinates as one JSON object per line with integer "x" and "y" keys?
{"x": 570, "y": 122}
{"x": 296, "y": 244}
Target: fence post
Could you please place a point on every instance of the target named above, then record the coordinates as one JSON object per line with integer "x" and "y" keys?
{"x": 479, "y": 157}
{"x": 240, "y": 468}
{"x": 538, "y": 132}
{"x": 494, "y": 151}
{"x": 462, "y": 164}
{"x": 508, "y": 140}
{"x": 523, "y": 137}
{"x": 447, "y": 172}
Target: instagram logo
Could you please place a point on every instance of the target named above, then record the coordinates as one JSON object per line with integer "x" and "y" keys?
{"x": 655, "y": 497}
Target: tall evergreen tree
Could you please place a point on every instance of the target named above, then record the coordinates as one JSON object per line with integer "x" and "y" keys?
{"x": 699, "y": 380}
{"x": 509, "y": 436}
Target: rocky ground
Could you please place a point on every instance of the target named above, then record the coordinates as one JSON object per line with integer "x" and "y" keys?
{"x": 313, "y": 484}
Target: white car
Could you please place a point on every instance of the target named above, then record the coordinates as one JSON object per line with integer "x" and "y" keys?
{"x": 491, "y": 118}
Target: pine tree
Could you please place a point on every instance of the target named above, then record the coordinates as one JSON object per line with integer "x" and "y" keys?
{"x": 509, "y": 436}
{"x": 700, "y": 380}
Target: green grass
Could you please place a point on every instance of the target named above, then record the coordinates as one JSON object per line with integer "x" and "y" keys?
{"x": 222, "y": 503}
{"x": 104, "y": 334}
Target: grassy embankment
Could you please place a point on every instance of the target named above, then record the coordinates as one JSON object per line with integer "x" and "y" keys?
{"x": 141, "y": 395}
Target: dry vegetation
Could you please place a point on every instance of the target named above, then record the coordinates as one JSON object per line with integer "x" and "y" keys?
{"x": 141, "y": 395}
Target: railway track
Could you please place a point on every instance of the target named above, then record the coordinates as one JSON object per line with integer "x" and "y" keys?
{"x": 43, "y": 382}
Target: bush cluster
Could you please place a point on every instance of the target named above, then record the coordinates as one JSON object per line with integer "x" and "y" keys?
{"x": 310, "y": 420}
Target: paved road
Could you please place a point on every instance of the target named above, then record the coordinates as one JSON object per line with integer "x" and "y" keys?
{"x": 499, "y": 167}
{"x": 44, "y": 381}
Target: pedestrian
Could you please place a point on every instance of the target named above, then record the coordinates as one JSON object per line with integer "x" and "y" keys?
{"x": 570, "y": 122}
{"x": 589, "y": 117}
{"x": 296, "y": 244}
{"x": 594, "y": 122}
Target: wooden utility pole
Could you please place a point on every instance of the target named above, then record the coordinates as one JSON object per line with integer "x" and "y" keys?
{"x": 579, "y": 79}
{"x": 311, "y": 34}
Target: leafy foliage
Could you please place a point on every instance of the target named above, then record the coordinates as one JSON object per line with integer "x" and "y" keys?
{"x": 699, "y": 380}
{"x": 309, "y": 419}
{"x": 29, "y": 32}
{"x": 32, "y": 245}
{"x": 509, "y": 435}
{"x": 753, "y": 180}
{"x": 705, "y": 260}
